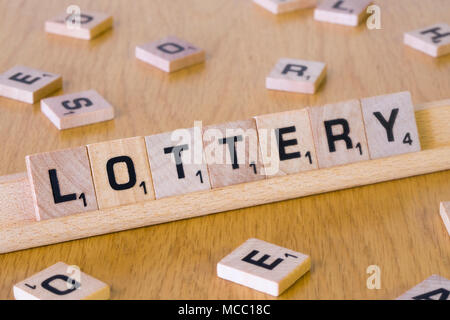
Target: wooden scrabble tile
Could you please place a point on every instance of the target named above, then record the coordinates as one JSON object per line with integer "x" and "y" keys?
{"x": 390, "y": 123}
{"x": 61, "y": 282}
{"x": 77, "y": 109}
{"x": 170, "y": 54}
{"x": 339, "y": 134}
{"x": 286, "y": 141}
{"x": 345, "y": 12}
{"x": 61, "y": 183}
{"x": 264, "y": 266}
{"x": 296, "y": 76}
{"x": 433, "y": 40}
{"x": 121, "y": 172}
{"x": 177, "y": 162}
{"x": 232, "y": 153}
{"x": 282, "y": 6}
{"x": 445, "y": 214}
{"x": 28, "y": 85}
{"x": 91, "y": 24}
{"x": 433, "y": 288}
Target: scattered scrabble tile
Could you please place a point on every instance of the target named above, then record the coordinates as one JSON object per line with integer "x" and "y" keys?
{"x": 121, "y": 172}
{"x": 170, "y": 54}
{"x": 346, "y": 12}
{"x": 339, "y": 133}
{"x": 296, "y": 76}
{"x": 433, "y": 288}
{"x": 445, "y": 214}
{"x": 433, "y": 40}
{"x": 77, "y": 109}
{"x": 91, "y": 24}
{"x": 286, "y": 141}
{"x": 390, "y": 123}
{"x": 177, "y": 162}
{"x": 232, "y": 153}
{"x": 282, "y": 6}
{"x": 264, "y": 266}
{"x": 61, "y": 282}
{"x": 61, "y": 183}
{"x": 28, "y": 85}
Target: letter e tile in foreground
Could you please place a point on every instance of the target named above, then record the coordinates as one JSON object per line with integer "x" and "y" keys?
{"x": 77, "y": 109}
{"x": 294, "y": 75}
{"x": 283, "y": 6}
{"x": 433, "y": 288}
{"x": 91, "y": 24}
{"x": 177, "y": 162}
{"x": 445, "y": 214}
{"x": 61, "y": 282}
{"x": 61, "y": 183}
{"x": 170, "y": 54}
{"x": 345, "y": 12}
{"x": 264, "y": 266}
{"x": 390, "y": 123}
{"x": 121, "y": 172}
{"x": 339, "y": 133}
{"x": 433, "y": 40}
{"x": 28, "y": 85}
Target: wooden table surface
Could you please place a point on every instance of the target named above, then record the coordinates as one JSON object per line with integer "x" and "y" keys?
{"x": 395, "y": 225}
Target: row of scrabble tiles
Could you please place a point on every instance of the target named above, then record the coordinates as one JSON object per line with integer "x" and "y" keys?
{"x": 121, "y": 172}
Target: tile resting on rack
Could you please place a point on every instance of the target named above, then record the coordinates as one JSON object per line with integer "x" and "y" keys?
{"x": 61, "y": 183}
{"x": 432, "y": 288}
{"x": 283, "y": 6}
{"x": 28, "y": 85}
{"x": 61, "y": 282}
{"x": 77, "y": 109}
{"x": 345, "y": 12}
{"x": 433, "y": 40}
{"x": 339, "y": 134}
{"x": 286, "y": 141}
{"x": 170, "y": 54}
{"x": 232, "y": 153}
{"x": 445, "y": 214}
{"x": 390, "y": 123}
{"x": 91, "y": 24}
{"x": 295, "y": 75}
{"x": 177, "y": 162}
{"x": 264, "y": 266}
{"x": 121, "y": 172}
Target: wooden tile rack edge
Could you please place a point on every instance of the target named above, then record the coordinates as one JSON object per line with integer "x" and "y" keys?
{"x": 18, "y": 233}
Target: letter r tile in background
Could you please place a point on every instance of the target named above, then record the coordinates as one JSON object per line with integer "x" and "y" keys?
{"x": 264, "y": 266}
{"x": 390, "y": 123}
{"x": 61, "y": 183}
{"x": 295, "y": 75}
{"x": 177, "y": 162}
{"x": 433, "y": 40}
{"x": 121, "y": 172}
{"x": 345, "y": 12}
{"x": 77, "y": 109}
{"x": 28, "y": 85}
{"x": 432, "y": 288}
{"x": 170, "y": 54}
{"x": 286, "y": 141}
{"x": 339, "y": 133}
{"x": 91, "y": 24}
{"x": 232, "y": 153}
{"x": 61, "y": 282}
{"x": 282, "y": 6}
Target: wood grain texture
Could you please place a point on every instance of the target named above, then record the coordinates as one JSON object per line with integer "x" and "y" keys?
{"x": 404, "y": 236}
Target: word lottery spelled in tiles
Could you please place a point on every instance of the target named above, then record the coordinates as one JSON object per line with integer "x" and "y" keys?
{"x": 81, "y": 25}
{"x": 77, "y": 109}
{"x": 264, "y": 266}
{"x": 344, "y": 12}
{"x": 61, "y": 282}
{"x": 283, "y": 6}
{"x": 170, "y": 54}
{"x": 433, "y": 40}
{"x": 433, "y": 288}
{"x": 28, "y": 85}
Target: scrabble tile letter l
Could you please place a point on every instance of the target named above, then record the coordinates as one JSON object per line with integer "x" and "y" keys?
{"x": 264, "y": 266}
{"x": 345, "y": 12}
{"x": 433, "y": 40}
